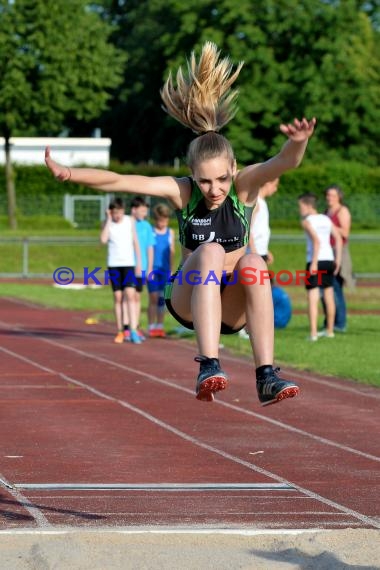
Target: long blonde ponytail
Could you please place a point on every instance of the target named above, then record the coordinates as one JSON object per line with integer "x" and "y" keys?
{"x": 203, "y": 100}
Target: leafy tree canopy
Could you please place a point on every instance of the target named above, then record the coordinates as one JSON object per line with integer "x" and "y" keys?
{"x": 302, "y": 57}
{"x": 57, "y": 65}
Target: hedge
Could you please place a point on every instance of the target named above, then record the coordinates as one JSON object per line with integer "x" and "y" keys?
{"x": 354, "y": 178}
{"x": 360, "y": 184}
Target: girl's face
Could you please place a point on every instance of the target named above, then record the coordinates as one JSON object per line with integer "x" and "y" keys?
{"x": 214, "y": 178}
{"x": 332, "y": 198}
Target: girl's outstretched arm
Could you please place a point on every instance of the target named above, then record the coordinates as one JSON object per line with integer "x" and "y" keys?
{"x": 108, "y": 181}
{"x": 250, "y": 179}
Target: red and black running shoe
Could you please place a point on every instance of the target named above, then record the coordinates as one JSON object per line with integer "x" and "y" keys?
{"x": 272, "y": 389}
{"x": 210, "y": 379}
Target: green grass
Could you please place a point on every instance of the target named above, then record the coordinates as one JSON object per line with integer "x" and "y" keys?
{"x": 352, "y": 355}
{"x": 291, "y": 256}
{"x": 360, "y": 298}
{"x": 334, "y": 357}
{"x": 89, "y": 299}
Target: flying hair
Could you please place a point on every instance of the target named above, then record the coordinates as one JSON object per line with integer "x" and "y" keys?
{"x": 202, "y": 99}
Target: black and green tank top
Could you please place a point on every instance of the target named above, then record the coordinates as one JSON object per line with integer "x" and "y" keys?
{"x": 227, "y": 225}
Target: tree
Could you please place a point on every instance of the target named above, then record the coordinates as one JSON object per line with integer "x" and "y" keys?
{"x": 312, "y": 57}
{"x": 57, "y": 66}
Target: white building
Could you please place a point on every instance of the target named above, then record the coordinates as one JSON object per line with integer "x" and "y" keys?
{"x": 68, "y": 151}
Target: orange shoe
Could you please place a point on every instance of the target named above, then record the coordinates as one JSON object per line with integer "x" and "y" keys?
{"x": 160, "y": 333}
{"x": 119, "y": 338}
{"x": 153, "y": 333}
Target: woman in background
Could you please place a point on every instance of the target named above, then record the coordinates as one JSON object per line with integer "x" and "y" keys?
{"x": 340, "y": 216}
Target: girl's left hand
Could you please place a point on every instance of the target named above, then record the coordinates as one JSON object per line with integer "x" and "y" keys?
{"x": 299, "y": 131}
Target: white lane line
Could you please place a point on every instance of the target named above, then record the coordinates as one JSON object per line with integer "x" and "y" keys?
{"x": 35, "y": 513}
{"x": 205, "y": 529}
{"x": 256, "y": 514}
{"x": 186, "y": 437}
{"x": 163, "y": 487}
{"x": 228, "y": 495}
{"x": 239, "y": 409}
{"x": 32, "y": 386}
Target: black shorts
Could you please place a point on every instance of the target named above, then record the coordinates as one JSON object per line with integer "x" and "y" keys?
{"x": 139, "y": 284}
{"x": 322, "y": 280}
{"x": 122, "y": 277}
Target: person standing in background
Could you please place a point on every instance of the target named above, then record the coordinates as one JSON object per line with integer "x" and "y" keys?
{"x": 162, "y": 265}
{"x": 340, "y": 216}
{"x": 260, "y": 230}
{"x": 145, "y": 236}
{"x": 320, "y": 263}
{"x": 259, "y": 238}
{"x": 123, "y": 261}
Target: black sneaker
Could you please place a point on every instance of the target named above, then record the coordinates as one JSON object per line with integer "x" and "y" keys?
{"x": 271, "y": 388}
{"x": 210, "y": 379}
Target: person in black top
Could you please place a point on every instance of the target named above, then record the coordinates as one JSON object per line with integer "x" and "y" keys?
{"x": 218, "y": 288}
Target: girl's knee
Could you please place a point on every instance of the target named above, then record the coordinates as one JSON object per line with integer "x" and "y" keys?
{"x": 252, "y": 260}
{"x": 211, "y": 250}
{"x": 208, "y": 255}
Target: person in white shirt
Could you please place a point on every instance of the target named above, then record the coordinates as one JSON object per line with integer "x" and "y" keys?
{"x": 259, "y": 234}
{"x": 124, "y": 263}
{"x": 320, "y": 263}
{"x": 260, "y": 229}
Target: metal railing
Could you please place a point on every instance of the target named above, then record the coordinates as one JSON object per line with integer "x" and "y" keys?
{"x": 26, "y": 243}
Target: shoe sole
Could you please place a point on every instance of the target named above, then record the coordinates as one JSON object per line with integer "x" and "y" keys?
{"x": 208, "y": 388}
{"x": 290, "y": 392}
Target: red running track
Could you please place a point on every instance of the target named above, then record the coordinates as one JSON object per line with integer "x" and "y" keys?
{"x": 95, "y": 434}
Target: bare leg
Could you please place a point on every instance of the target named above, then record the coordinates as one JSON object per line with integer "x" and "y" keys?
{"x": 152, "y": 307}
{"x": 130, "y": 307}
{"x": 250, "y": 301}
{"x": 328, "y": 297}
{"x": 138, "y": 306}
{"x": 201, "y": 303}
{"x": 249, "y": 293}
{"x": 259, "y": 314}
{"x": 118, "y": 309}
{"x": 160, "y": 308}
{"x": 313, "y": 300}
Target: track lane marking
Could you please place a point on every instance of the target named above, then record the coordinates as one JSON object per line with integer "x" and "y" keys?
{"x": 35, "y": 513}
{"x": 186, "y": 437}
{"x": 277, "y": 423}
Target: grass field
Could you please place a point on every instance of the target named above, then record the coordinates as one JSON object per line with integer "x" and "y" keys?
{"x": 351, "y": 355}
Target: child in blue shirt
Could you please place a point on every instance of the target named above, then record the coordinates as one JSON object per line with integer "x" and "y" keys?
{"x": 164, "y": 248}
{"x": 146, "y": 239}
